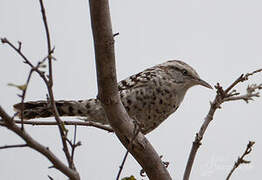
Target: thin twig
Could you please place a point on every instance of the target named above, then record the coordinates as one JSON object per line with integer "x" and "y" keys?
{"x": 241, "y": 159}
{"x": 75, "y": 134}
{"x": 47, "y": 33}
{"x": 74, "y": 145}
{"x": 23, "y": 96}
{"x": 77, "y": 123}
{"x": 26, "y": 60}
{"x": 50, "y": 90}
{"x": 13, "y": 146}
{"x": 50, "y": 177}
{"x": 33, "y": 68}
{"x": 251, "y": 92}
{"x": 48, "y": 82}
{"x": 242, "y": 78}
{"x": 122, "y": 166}
{"x": 116, "y": 34}
{"x": 24, "y": 90}
{"x": 57, "y": 163}
{"x": 135, "y": 133}
{"x": 18, "y": 50}
{"x": 221, "y": 97}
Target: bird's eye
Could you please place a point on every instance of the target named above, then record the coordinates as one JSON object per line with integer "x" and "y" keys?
{"x": 184, "y": 72}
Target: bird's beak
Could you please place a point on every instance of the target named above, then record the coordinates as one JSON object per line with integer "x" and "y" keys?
{"x": 204, "y": 83}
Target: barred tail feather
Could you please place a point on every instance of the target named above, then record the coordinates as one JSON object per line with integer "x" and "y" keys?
{"x": 90, "y": 109}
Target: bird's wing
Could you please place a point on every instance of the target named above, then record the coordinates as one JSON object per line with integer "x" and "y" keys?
{"x": 138, "y": 80}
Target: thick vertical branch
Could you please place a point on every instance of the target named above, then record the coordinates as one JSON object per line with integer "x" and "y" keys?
{"x": 141, "y": 149}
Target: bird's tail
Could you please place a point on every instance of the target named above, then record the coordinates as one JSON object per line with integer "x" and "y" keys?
{"x": 90, "y": 109}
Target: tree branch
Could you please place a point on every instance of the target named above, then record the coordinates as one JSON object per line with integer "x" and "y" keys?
{"x": 72, "y": 123}
{"x": 23, "y": 96}
{"x": 241, "y": 159}
{"x": 122, "y": 165}
{"x": 221, "y": 97}
{"x": 118, "y": 118}
{"x": 136, "y": 131}
{"x": 251, "y": 92}
{"x": 9, "y": 123}
{"x": 49, "y": 85}
{"x": 13, "y": 146}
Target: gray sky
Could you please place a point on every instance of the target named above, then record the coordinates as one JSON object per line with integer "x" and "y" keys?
{"x": 220, "y": 39}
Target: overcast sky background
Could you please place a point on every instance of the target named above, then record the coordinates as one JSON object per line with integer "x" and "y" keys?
{"x": 220, "y": 39}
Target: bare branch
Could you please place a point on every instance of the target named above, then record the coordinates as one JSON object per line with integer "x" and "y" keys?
{"x": 241, "y": 78}
{"x": 74, "y": 145}
{"x": 24, "y": 94}
{"x": 50, "y": 177}
{"x": 48, "y": 82}
{"x": 19, "y": 45}
{"x": 251, "y": 74}
{"x": 25, "y": 86}
{"x": 50, "y": 92}
{"x": 135, "y": 133}
{"x": 73, "y": 123}
{"x": 48, "y": 39}
{"x": 241, "y": 159}
{"x": 116, "y": 34}
{"x": 118, "y": 118}
{"x": 121, "y": 166}
{"x": 13, "y": 146}
{"x": 9, "y": 123}
{"x": 251, "y": 92}
{"x": 18, "y": 50}
{"x": 49, "y": 85}
{"x": 221, "y": 97}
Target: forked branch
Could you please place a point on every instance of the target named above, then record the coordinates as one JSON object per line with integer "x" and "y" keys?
{"x": 222, "y": 96}
{"x": 48, "y": 80}
{"x": 32, "y": 143}
{"x": 241, "y": 159}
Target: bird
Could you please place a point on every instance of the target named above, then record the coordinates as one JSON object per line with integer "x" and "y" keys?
{"x": 149, "y": 97}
